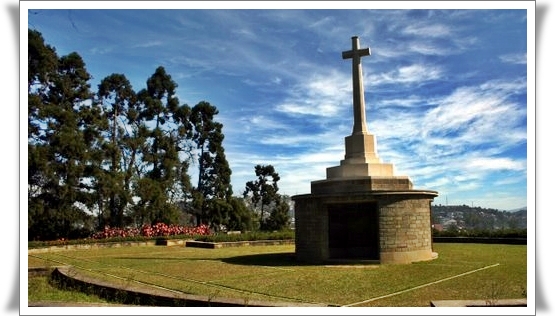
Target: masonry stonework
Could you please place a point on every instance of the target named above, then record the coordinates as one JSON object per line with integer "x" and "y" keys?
{"x": 404, "y": 225}
{"x": 362, "y": 210}
{"x": 405, "y": 233}
{"x": 311, "y": 223}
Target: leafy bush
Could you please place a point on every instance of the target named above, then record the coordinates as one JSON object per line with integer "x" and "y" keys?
{"x": 248, "y": 236}
{"x": 145, "y": 233}
{"x": 160, "y": 232}
{"x": 498, "y": 233}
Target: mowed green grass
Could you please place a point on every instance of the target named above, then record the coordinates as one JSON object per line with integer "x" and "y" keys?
{"x": 461, "y": 272}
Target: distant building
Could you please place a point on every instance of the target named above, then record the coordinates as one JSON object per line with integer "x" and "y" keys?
{"x": 437, "y": 227}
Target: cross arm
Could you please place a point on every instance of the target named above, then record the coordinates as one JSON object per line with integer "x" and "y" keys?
{"x": 359, "y": 52}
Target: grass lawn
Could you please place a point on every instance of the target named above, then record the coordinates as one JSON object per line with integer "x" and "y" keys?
{"x": 40, "y": 290}
{"x": 461, "y": 272}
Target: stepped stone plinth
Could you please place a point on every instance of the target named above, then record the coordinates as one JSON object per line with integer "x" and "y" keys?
{"x": 361, "y": 159}
{"x": 362, "y": 210}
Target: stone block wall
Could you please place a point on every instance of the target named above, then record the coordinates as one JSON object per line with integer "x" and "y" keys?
{"x": 361, "y": 184}
{"x": 404, "y": 217}
{"x": 405, "y": 225}
{"x": 311, "y": 224}
{"x": 391, "y": 183}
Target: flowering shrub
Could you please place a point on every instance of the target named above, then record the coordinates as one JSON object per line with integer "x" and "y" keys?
{"x": 156, "y": 230}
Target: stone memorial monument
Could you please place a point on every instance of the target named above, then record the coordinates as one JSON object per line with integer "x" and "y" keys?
{"x": 362, "y": 210}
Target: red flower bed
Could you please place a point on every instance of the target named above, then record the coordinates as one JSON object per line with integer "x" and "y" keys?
{"x": 156, "y": 230}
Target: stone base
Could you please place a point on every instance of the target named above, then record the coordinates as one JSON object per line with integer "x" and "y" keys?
{"x": 407, "y": 256}
{"x": 361, "y": 184}
{"x": 382, "y": 226}
{"x": 361, "y": 148}
{"x": 361, "y": 169}
{"x": 361, "y": 159}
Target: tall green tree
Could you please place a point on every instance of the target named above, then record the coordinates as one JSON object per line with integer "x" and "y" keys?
{"x": 241, "y": 218}
{"x": 62, "y": 131}
{"x": 120, "y": 148}
{"x": 263, "y": 192}
{"x": 123, "y": 154}
{"x": 213, "y": 191}
{"x": 278, "y": 218}
{"x": 42, "y": 67}
{"x": 162, "y": 172}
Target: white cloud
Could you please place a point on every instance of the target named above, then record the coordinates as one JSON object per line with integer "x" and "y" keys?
{"x": 428, "y": 48}
{"x": 327, "y": 156}
{"x": 491, "y": 163}
{"x": 245, "y": 33}
{"x": 323, "y": 22}
{"x": 319, "y": 95}
{"x": 408, "y": 102}
{"x": 101, "y": 50}
{"x": 293, "y": 110}
{"x": 408, "y": 49}
{"x": 428, "y": 30}
{"x": 148, "y": 44}
{"x": 291, "y": 140}
{"x": 263, "y": 122}
{"x": 465, "y": 42}
{"x": 516, "y": 86}
{"x": 478, "y": 114}
{"x": 413, "y": 74}
{"x": 510, "y": 180}
{"x": 296, "y": 170}
{"x": 460, "y": 141}
{"x": 309, "y": 107}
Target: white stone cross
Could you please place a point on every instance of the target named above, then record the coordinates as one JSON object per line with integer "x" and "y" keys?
{"x": 356, "y": 53}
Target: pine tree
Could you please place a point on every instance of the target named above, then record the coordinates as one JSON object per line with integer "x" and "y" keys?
{"x": 62, "y": 131}
{"x": 164, "y": 127}
{"x": 119, "y": 148}
{"x": 263, "y": 192}
{"x": 213, "y": 191}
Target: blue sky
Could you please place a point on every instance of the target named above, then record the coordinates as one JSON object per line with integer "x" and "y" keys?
{"x": 447, "y": 91}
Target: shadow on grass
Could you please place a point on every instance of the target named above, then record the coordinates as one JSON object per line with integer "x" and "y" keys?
{"x": 266, "y": 259}
{"x": 286, "y": 259}
{"x": 282, "y": 259}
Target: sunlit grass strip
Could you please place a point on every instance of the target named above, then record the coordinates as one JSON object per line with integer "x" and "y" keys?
{"x": 48, "y": 260}
{"x": 217, "y": 286}
{"x": 134, "y": 279}
{"x": 420, "y": 286}
{"x": 41, "y": 290}
{"x": 274, "y": 272}
{"x": 164, "y": 275}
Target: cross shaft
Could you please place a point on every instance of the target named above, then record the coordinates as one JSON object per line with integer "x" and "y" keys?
{"x": 359, "y": 126}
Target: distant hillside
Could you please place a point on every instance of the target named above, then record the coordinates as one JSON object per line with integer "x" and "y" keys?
{"x": 467, "y": 217}
{"x": 518, "y": 209}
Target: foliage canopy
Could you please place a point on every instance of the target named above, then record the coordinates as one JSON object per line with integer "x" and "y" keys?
{"x": 119, "y": 157}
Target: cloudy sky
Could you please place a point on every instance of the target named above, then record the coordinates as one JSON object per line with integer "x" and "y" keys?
{"x": 447, "y": 91}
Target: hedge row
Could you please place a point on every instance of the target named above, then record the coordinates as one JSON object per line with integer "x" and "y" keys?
{"x": 206, "y": 236}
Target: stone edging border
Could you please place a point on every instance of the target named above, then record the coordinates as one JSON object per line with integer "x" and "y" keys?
{"x": 519, "y": 302}
{"x": 215, "y": 245}
{"x": 170, "y": 242}
{"x": 139, "y": 296}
